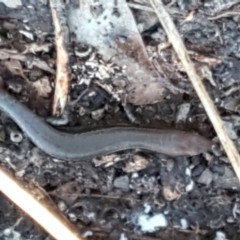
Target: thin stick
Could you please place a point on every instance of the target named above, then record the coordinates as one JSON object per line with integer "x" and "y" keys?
{"x": 207, "y": 102}
{"x": 38, "y": 208}
{"x": 149, "y": 9}
{"x": 61, "y": 40}
{"x": 140, "y": 7}
{"x": 224, "y": 14}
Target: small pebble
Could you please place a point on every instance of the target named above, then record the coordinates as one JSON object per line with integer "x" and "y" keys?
{"x": 229, "y": 103}
{"x": 147, "y": 208}
{"x": 62, "y": 206}
{"x": 35, "y": 157}
{"x": 98, "y": 114}
{"x": 217, "y": 150}
{"x": 9, "y": 233}
{"x": 229, "y": 127}
{"x": 72, "y": 217}
{"x": 81, "y": 111}
{"x": 169, "y": 165}
{"x": 184, "y": 223}
{"x": 152, "y": 223}
{"x": 189, "y": 187}
{"x": 183, "y": 111}
{"x": 219, "y": 169}
{"x": 220, "y": 236}
{"x": 123, "y": 237}
{"x": 197, "y": 171}
{"x": 228, "y": 181}
{"x": 206, "y": 177}
{"x": 91, "y": 216}
{"x": 87, "y": 234}
{"x": 230, "y": 219}
{"x": 135, "y": 175}
{"x": 188, "y": 172}
{"x": 122, "y": 183}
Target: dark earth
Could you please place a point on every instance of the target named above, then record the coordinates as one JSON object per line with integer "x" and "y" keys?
{"x": 131, "y": 194}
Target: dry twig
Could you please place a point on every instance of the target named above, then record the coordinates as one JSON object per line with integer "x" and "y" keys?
{"x": 207, "y": 102}
{"x": 38, "y": 207}
{"x": 223, "y": 15}
{"x": 149, "y": 9}
{"x": 61, "y": 40}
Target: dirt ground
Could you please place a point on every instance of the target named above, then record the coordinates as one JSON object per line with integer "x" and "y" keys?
{"x": 130, "y": 194}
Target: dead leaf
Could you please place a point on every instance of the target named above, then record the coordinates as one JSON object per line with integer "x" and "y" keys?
{"x": 13, "y": 54}
{"x": 34, "y": 48}
{"x": 68, "y": 192}
{"x": 138, "y": 163}
{"x": 15, "y": 67}
{"x": 142, "y": 93}
{"x": 27, "y": 34}
{"x": 190, "y": 16}
{"x": 42, "y": 65}
{"x": 42, "y": 87}
{"x": 170, "y": 194}
{"x": 107, "y": 161}
{"x": 122, "y": 44}
{"x": 163, "y": 46}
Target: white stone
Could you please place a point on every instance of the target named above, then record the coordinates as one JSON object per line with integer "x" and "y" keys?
{"x": 153, "y": 223}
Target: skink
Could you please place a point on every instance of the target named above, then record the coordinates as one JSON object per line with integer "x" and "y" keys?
{"x": 68, "y": 146}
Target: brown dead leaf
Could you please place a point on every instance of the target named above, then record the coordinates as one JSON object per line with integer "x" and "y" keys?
{"x": 68, "y": 192}
{"x": 163, "y": 46}
{"x": 42, "y": 65}
{"x": 145, "y": 86}
{"x": 34, "y": 48}
{"x": 170, "y": 194}
{"x": 141, "y": 94}
{"x": 138, "y": 163}
{"x": 15, "y": 67}
{"x": 42, "y": 87}
{"x": 107, "y": 161}
{"x": 190, "y": 16}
